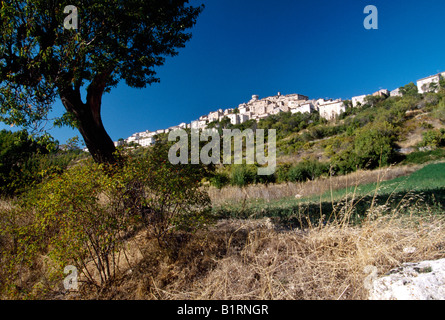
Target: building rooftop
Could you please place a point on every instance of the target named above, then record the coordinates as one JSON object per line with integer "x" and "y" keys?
{"x": 433, "y": 76}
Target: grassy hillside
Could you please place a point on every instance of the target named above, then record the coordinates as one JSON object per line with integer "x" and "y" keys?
{"x": 346, "y": 195}
{"x": 382, "y": 132}
{"x": 422, "y": 190}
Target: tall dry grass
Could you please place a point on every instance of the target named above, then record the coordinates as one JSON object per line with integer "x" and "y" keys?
{"x": 319, "y": 186}
{"x": 254, "y": 260}
{"x": 328, "y": 263}
{"x": 257, "y": 260}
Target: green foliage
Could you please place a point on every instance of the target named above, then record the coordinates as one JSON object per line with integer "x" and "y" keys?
{"x": 80, "y": 216}
{"x": 41, "y": 58}
{"x": 174, "y": 199}
{"x": 22, "y": 160}
{"x": 243, "y": 175}
{"x": 83, "y": 216}
{"x": 286, "y": 123}
{"x": 409, "y": 90}
{"x": 439, "y": 111}
{"x": 433, "y": 138}
{"x": 373, "y": 100}
{"x": 375, "y": 145}
{"x": 307, "y": 170}
{"x": 420, "y": 157}
{"x": 220, "y": 180}
{"x": 322, "y": 131}
{"x": 282, "y": 172}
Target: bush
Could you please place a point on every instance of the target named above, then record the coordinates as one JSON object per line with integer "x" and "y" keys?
{"x": 20, "y": 156}
{"x": 433, "y": 138}
{"x": 374, "y": 145}
{"x": 439, "y": 111}
{"x": 307, "y": 170}
{"x": 242, "y": 175}
{"x": 83, "y": 216}
{"x": 219, "y": 180}
{"x": 282, "y": 172}
{"x": 173, "y": 198}
{"x": 344, "y": 162}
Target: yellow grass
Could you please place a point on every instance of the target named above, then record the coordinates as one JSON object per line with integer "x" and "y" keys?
{"x": 257, "y": 260}
{"x": 254, "y": 260}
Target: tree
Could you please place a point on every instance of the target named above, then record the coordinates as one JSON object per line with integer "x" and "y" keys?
{"x": 116, "y": 40}
{"x": 409, "y": 90}
{"x": 373, "y": 100}
{"x": 375, "y": 145}
{"x": 19, "y": 160}
{"x": 442, "y": 82}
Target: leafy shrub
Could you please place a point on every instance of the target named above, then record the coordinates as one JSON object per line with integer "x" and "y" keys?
{"x": 281, "y": 173}
{"x": 307, "y": 170}
{"x": 409, "y": 90}
{"x": 20, "y": 156}
{"x": 344, "y": 162}
{"x": 374, "y": 145}
{"x": 439, "y": 111}
{"x": 83, "y": 216}
{"x": 242, "y": 175}
{"x": 286, "y": 123}
{"x": 219, "y": 180}
{"x": 433, "y": 138}
{"x": 174, "y": 198}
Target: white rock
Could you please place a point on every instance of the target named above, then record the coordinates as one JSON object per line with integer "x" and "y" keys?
{"x": 409, "y": 250}
{"x": 412, "y": 281}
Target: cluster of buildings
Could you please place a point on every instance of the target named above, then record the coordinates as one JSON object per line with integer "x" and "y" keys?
{"x": 425, "y": 85}
{"x": 257, "y": 109}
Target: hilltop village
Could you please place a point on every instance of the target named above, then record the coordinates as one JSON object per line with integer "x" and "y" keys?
{"x": 257, "y": 109}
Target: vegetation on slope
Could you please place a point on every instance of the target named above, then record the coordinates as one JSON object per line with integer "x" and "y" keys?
{"x": 145, "y": 228}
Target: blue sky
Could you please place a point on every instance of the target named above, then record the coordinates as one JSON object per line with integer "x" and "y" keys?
{"x": 318, "y": 48}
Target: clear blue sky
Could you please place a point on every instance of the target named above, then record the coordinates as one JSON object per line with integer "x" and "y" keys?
{"x": 318, "y": 48}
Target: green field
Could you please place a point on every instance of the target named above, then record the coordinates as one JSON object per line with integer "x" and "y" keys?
{"x": 422, "y": 190}
{"x": 430, "y": 177}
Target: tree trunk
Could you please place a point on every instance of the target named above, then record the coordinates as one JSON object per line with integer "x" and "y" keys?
{"x": 96, "y": 138}
{"x": 89, "y": 120}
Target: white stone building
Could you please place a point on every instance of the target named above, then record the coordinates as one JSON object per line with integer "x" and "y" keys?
{"x": 198, "y": 124}
{"x": 358, "y": 100}
{"x": 424, "y": 85}
{"x": 146, "y": 142}
{"x": 331, "y": 109}
{"x": 243, "y": 108}
{"x": 396, "y": 93}
{"x": 133, "y": 138}
{"x": 214, "y": 116}
{"x": 234, "y": 119}
{"x": 307, "y": 107}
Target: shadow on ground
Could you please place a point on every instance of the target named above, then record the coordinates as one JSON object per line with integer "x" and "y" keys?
{"x": 296, "y": 214}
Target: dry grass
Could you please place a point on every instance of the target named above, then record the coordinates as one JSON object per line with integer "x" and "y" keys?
{"x": 257, "y": 260}
{"x": 316, "y": 187}
{"x": 253, "y": 260}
